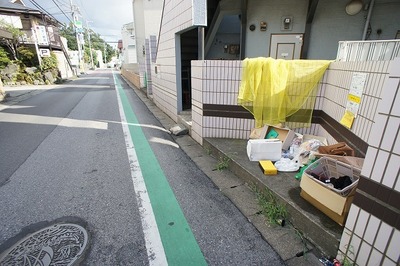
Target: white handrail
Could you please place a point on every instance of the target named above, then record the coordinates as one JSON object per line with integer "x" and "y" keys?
{"x": 380, "y": 50}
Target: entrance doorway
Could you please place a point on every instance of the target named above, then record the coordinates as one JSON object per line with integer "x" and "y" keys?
{"x": 189, "y": 52}
{"x": 286, "y": 46}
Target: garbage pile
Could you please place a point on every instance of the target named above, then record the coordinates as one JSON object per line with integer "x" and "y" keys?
{"x": 327, "y": 180}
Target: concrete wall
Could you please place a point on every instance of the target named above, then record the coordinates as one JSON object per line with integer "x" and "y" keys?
{"x": 331, "y": 24}
{"x": 132, "y": 76}
{"x": 65, "y": 69}
{"x": 228, "y": 34}
{"x": 139, "y": 24}
{"x": 147, "y": 17}
{"x": 272, "y": 11}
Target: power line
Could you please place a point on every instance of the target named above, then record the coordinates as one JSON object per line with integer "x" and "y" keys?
{"x": 42, "y": 9}
{"x": 62, "y": 11}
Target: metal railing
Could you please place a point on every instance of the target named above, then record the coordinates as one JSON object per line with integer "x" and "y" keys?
{"x": 368, "y": 50}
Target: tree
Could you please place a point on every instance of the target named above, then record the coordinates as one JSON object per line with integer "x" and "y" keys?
{"x": 97, "y": 43}
{"x": 68, "y": 33}
{"x": 12, "y": 44}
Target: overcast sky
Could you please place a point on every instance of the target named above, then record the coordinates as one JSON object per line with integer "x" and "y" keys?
{"x": 106, "y": 16}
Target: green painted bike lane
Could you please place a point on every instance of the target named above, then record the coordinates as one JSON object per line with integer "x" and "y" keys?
{"x": 179, "y": 243}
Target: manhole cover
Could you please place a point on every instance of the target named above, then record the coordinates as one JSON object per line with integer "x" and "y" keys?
{"x": 58, "y": 244}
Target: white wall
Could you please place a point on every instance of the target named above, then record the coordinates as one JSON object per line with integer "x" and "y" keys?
{"x": 129, "y": 44}
{"x": 147, "y": 17}
{"x": 331, "y": 24}
{"x": 138, "y": 17}
{"x": 177, "y": 17}
{"x": 272, "y": 11}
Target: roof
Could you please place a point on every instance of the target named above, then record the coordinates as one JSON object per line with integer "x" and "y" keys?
{"x": 19, "y": 8}
{"x": 6, "y": 5}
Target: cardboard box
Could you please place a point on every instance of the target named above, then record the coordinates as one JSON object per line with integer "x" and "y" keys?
{"x": 283, "y": 134}
{"x": 264, "y": 149}
{"x": 334, "y": 203}
{"x": 338, "y": 218}
{"x": 268, "y": 167}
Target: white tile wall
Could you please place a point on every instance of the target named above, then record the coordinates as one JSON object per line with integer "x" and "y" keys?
{"x": 375, "y": 258}
{"x": 372, "y": 228}
{"x": 381, "y": 241}
{"x": 393, "y": 248}
{"x": 177, "y": 16}
{"x": 361, "y": 223}
{"x": 383, "y": 236}
{"x": 367, "y": 237}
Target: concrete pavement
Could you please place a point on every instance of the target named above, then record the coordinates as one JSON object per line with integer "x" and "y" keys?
{"x": 285, "y": 240}
{"x": 16, "y": 94}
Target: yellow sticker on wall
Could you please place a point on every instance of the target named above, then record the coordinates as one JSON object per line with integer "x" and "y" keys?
{"x": 353, "y": 98}
{"x": 347, "y": 119}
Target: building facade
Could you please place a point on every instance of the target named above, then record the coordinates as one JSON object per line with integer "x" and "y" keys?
{"x": 201, "y": 45}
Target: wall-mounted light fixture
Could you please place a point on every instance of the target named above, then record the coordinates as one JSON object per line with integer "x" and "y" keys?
{"x": 263, "y": 26}
{"x": 287, "y": 23}
{"x": 354, "y": 7}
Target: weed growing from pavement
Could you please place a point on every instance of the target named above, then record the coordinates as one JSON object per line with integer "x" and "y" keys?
{"x": 346, "y": 261}
{"x": 272, "y": 209}
{"x": 223, "y": 163}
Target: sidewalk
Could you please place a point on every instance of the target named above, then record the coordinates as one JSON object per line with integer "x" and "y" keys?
{"x": 233, "y": 183}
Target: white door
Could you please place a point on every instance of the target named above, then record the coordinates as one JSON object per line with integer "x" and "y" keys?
{"x": 286, "y": 46}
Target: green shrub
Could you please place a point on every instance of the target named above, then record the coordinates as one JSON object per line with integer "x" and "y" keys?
{"x": 49, "y": 63}
{"x": 28, "y": 56}
{"x": 4, "y": 60}
{"x": 20, "y": 76}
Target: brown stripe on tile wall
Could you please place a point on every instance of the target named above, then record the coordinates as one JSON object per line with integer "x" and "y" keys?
{"x": 340, "y": 133}
{"x": 379, "y": 200}
{"x": 333, "y": 127}
{"x": 232, "y": 111}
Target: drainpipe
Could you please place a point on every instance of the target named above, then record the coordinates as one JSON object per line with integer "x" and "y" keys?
{"x": 371, "y": 6}
{"x": 200, "y": 33}
{"x": 243, "y": 20}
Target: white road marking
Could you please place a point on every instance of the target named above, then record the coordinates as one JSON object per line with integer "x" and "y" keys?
{"x": 154, "y": 247}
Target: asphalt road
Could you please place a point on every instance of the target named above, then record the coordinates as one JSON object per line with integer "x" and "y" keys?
{"x": 64, "y": 156}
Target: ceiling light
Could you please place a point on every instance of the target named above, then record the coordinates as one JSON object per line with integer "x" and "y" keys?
{"x": 354, "y": 7}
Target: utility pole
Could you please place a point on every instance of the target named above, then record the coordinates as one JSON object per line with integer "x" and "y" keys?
{"x": 90, "y": 44}
{"x": 105, "y": 53}
{"x": 75, "y": 10}
{"x": 34, "y": 36}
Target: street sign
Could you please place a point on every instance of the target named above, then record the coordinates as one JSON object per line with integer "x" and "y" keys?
{"x": 79, "y": 26}
{"x": 41, "y": 35}
{"x": 44, "y": 52}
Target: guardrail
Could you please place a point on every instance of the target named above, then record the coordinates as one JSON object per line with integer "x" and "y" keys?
{"x": 368, "y": 50}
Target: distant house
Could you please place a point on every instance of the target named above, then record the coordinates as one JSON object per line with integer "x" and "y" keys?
{"x": 146, "y": 29}
{"x": 128, "y": 44}
{"x": 39, "y": 30}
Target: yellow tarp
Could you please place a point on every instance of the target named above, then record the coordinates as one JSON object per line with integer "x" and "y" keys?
{"x": 276, "y": 91}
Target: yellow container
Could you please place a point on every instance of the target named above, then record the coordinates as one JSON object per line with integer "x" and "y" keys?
{"x": 268, "y": 167}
